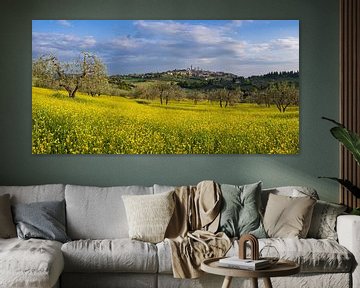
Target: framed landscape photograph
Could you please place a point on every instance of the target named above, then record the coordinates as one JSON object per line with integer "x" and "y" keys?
{"x": 165, "y": 87}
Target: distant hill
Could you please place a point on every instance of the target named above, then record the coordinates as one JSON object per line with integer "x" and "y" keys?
{"x": 196, "y": 78}
{"x": 262, "y": 81}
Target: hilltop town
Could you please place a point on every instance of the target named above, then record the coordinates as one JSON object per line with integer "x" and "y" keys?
{"x": 186, "y": 72}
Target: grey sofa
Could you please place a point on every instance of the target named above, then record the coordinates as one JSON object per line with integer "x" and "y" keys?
{"x": 101, "y": 254}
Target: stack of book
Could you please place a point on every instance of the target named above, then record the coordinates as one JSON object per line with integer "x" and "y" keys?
{"x": 248, "y": 264}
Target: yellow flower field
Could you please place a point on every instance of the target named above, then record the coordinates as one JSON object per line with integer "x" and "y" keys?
{"x": 117, "y": 125}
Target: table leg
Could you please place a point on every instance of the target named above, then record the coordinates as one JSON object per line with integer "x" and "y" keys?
{"x": 227, "y": 282}
{"x": 267, "y": 283}
{"x": 254, "y": 282}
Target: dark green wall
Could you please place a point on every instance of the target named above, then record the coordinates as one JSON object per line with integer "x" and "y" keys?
{"x": 319, "y": 72}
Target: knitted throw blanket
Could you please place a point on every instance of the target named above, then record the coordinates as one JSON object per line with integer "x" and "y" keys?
{"x": 191, "y": 232}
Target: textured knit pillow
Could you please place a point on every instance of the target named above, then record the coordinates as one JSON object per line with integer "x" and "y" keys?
{"x": 288, "y": 217}
{"x": 323, "y": 222}
{"x": 43, "y": 220}
{"x": 240, "y": 213}
{"x": 149, "y": 215}
{"x": 7, "y": 226}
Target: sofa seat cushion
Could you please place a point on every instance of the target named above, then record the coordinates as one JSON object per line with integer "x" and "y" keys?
{"x": 313, "y": 255}
{"x": 115, "y": 255}
{"x": 30, "y": 263}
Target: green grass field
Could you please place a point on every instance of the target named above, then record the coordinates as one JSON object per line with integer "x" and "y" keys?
{"x": 117, "y": 125}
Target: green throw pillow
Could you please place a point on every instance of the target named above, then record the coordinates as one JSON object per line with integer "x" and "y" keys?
{"x": 240, "y": 213}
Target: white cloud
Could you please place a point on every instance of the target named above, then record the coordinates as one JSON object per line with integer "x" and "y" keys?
{"x": 240, "y": 22}
{"x": 88, "y": 42}
{"x": 183, "y": 31}
{"x": 206, "y": 35}
{"x": 125, "y": 43}
{"x": 65, "y": 46}
{"x": 168, "y": 27}
{"x": 286, "y": 43}
{"x": 64, "y": 23}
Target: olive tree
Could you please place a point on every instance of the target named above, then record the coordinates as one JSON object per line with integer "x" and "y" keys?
{"x": 196, "y": 96}
{"x": 96, "y": 81}
{"x": 86, "y": 72}
{"x": 260, "y": 97}
{"x": 283, "y": 94}
{"x": 226, "y": 97}
{"x": 164, "y": 91}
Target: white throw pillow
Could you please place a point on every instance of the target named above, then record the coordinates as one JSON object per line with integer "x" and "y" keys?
{"x": 149, "y": 215}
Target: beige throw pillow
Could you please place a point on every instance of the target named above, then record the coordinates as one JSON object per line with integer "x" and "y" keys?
{"x": 149, "y": 215}
{"x": 288, "y": 217}
{"x": 7, "y": 226}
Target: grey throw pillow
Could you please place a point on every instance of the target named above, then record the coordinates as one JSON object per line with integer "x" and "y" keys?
{"x": 323, "y": 222}
{"x": 7, "y": 226}
{"x": 240, "y": 213}
{"x": 44, "y": 220}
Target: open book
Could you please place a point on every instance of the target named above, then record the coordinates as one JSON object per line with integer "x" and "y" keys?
{"x": 236, "y": 262}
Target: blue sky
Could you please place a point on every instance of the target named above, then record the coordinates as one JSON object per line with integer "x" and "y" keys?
{"x": 242, "y": 47}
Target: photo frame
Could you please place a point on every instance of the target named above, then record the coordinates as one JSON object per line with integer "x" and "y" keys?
{"x": 165, "y": 87}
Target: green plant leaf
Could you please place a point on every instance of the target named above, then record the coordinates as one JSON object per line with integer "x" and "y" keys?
{"x": 349, "y": 139}
{"x": 347, "y": 184}
{"x": 333, "y": 121}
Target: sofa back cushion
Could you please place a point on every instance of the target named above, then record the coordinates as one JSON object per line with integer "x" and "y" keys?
{"x": 163, "y": 188}
{"x": 35, "y": 193}
{"x": 290, "y": 191}
{"x": 98, "y": 212}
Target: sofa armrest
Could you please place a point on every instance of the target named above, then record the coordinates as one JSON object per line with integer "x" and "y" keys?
{"x": 348, "y": 230}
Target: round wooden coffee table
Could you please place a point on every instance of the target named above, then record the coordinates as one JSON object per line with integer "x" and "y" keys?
{"x": 281, "y": 268}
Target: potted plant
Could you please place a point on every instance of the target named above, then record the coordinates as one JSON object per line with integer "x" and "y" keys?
{"x": 351, "y": 141}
